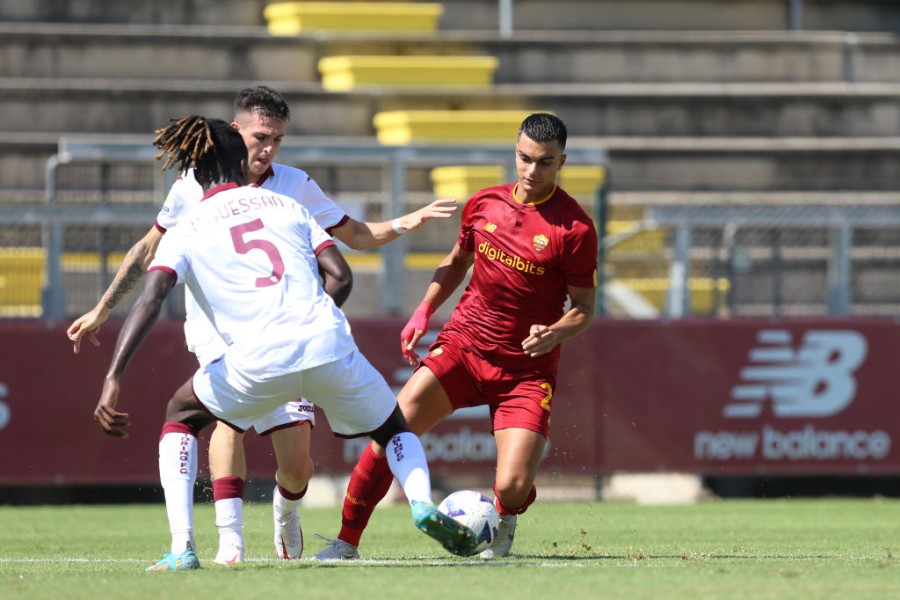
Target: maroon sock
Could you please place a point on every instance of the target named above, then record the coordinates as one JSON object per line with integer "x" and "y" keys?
{"x": 291, "y": 495}
{"x": 369, "y": 483}
{"x": 228, "y": 487}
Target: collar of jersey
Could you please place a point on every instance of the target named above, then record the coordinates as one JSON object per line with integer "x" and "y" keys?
{"x": 541, "y": 201}
{"x": 220, "y": 188}
{"x": 270, "y": 172}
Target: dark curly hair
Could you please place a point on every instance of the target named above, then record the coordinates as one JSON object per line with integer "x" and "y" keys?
{"x": 212, "y": 147}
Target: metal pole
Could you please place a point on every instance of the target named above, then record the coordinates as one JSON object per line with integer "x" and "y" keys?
{"x": 839, "y": 271}
{"x": 393, "y": 289}
{"x": 602, "y": 216}
{"x": 851, "y": 45}
{"x": 679, "y": 296}
{"x": 53, "y": 300}
{"x": 795, "y": 16}
{"x": 505, "y": 9}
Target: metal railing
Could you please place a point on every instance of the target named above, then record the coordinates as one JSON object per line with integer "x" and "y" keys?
{"x": 823, "y": 234}
{"x": 394, "y": 163}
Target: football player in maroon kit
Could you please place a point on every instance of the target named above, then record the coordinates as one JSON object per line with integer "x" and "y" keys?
{"x": 531, "y": 248}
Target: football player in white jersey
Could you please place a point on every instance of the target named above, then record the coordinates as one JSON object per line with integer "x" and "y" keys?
{"x": 260, "y": 116}
{"x": 252, "y": 259}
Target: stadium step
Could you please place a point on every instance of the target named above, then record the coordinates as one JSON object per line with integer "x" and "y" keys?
{"x": 231, "y": 53}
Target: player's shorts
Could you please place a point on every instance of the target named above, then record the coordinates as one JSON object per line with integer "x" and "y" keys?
{"x": 355, "y": 397}
{"x": 517, "y": 398}
{"x": 287, "y": 415}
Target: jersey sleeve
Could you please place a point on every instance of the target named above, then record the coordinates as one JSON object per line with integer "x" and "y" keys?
{"x": 318, "y": 237}
{"x": 171, "y": 255}
{"x": 177, "y": 202}
{"x": 466, "y": 239}
{"x": 580, "y": 257}
{"x": 322, "y": 208}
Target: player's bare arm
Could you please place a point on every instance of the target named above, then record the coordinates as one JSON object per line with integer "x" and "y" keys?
{"x": 363, "y": 236}
{"x": 129, "y": 274}
{"x": 544, "y": 338}
{"x": 138, "y": 323}
{"x": 338, "y": 278}
{"x": 448, "y": 276}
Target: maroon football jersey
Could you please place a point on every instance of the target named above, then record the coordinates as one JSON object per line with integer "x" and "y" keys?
{"x": 525, "y": 257}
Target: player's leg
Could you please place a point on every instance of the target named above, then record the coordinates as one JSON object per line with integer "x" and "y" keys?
{"x": 185, "y": 417}
{"x": 406, "y": 458}
{"x": 519, "y": 453}
{"x": 357, "y": 399}
{"x": 423, "y": 403}
{"x": 228, "y": 471}
{"x": 295, "y": 469}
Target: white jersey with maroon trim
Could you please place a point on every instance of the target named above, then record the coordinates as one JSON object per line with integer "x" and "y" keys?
{"x": 247, "y": 255}
{"x": 186, "y": 193}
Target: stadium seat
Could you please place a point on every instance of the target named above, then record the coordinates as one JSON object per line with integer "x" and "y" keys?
{"x": 460, "y": 182}
{"x": 396, "y": 128}
{"x": 292, "y": 18}
{"x": 706, "y": 294}
{"x": 342, "y": 73}
{"x": 21, "y": 281}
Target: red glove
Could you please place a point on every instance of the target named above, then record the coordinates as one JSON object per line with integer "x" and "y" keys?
{"x": 418, "y": 322}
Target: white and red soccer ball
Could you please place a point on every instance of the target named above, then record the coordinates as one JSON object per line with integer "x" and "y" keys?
{"x": 477, "y": 512}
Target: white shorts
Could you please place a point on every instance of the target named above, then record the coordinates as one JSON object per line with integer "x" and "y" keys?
{"x": 295, "y": 411}
{"x": 355, "y": 397}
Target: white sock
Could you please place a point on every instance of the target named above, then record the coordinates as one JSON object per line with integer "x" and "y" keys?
{"x": 177, "y": 473}
{"x": 406, "y": 458}
{"x": 230, "y": 521}
{"x": 282, "y": 506}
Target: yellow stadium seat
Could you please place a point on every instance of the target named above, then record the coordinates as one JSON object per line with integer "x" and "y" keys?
{"x": 703, "y": 290}
{"x": 396, "y": 128}
{"x": 21, "y": 281}
{"x": 292, "y": 18}
{"x": 342, "y": 73}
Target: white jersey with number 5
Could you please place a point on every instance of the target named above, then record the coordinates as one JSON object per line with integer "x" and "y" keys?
{"x": 186, "y": 193}
{"x": 247, "y": 256}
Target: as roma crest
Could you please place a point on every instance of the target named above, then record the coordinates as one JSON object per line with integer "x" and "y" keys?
{"x": 540, "y": 242}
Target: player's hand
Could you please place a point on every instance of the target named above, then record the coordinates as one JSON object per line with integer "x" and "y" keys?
{"x": 106, "y": 415}
{"x": 439, "y": 209}
{"x": 541, "y": 340}
{"x": 87, "y": 326}
{"x": 412, "y": 333}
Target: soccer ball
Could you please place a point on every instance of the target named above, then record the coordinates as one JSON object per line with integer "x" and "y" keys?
{"x": 475, "y": 511}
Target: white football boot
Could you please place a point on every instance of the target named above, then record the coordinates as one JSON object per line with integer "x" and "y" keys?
{"x": 230, "y": 554}
{"x": 337, "y": 550}
{"x": 289, "y": 537}
{"x": 505, "y": 534}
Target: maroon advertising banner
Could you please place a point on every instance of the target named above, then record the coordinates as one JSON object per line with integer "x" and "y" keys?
{"x": 749, "y": 396}
{"x": 47, "y": 397}
{"x": 714, "y": 397}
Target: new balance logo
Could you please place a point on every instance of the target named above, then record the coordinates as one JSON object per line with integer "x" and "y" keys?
{"x": 815, "y": 380}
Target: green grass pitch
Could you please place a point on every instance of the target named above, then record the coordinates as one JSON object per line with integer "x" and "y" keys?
{"x": 718, "y": 549}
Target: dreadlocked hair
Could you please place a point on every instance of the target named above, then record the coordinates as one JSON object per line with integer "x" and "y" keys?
{"x": 213, "y": 148}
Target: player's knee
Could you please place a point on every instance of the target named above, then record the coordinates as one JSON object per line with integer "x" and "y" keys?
{"x": 394, "y": 424}
{"x": 514, "y": 499}
{"x": 295, "y": 476}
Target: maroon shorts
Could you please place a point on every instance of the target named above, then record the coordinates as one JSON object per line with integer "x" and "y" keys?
{"x": 517, "y": 398}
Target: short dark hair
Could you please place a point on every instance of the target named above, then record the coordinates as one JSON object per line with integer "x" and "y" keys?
{"x": 212, "y": 147}
{"x": 263, "y": 100}
{"x": 544, "y": 127}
